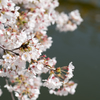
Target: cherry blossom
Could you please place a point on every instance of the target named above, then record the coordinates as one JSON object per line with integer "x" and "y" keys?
{"x": 23, "y": 40}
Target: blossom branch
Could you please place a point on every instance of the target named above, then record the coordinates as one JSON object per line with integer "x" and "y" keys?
{"x": 29, "y": 21}
{"x": 9, "y": 50}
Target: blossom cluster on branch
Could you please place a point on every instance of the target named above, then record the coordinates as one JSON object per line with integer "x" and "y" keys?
{"x": 23, "y": 39}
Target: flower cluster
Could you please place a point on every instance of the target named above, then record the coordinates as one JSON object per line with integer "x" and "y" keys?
{"x": 23, "y": 39}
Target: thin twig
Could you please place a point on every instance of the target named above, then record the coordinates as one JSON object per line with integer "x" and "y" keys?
{"x": 12, "y": 96}
{"x": 9, "y": 50}
{"x": 16, "y": 48}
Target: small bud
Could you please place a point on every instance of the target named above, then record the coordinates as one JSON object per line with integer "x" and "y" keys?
{"x": 44, "y": 56}
{"x": 58, "y": 70}
{"x": 48, "y": 58}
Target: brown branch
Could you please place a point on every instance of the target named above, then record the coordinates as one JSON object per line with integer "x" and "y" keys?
{"x": 10, "y": 50}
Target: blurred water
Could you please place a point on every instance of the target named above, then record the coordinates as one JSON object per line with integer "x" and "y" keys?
{"x": 93, "y": 2}
{"x": 82, "y": 47}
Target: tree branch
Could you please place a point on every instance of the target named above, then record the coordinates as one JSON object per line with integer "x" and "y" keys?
{"x": 10, "y": 50}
